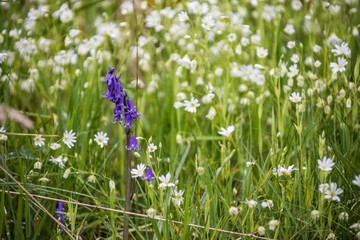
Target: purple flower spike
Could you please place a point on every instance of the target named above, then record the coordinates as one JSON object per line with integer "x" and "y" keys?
{"x": 133, "y": 145}
{"x": 149, "y": 176}
{"x": 124, "y": 110}
{"x": 59, "y": 214}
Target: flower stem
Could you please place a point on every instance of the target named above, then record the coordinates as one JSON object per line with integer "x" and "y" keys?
{"x": 128, "y": 188}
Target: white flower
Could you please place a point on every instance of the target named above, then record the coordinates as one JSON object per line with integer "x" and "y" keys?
{"x": 356, "y": 227}
{"x": 126, "y": 7}
{"x": 267, "y": 204}
{"x": 91, "y": 178}
{"x": 178, "y": 105}
{"x": 295, "y": 97}
{"x": 326, "y": 164}
{"x": 3, "y": 137}
{"x": 296, "y": 5}
{"x": 37, "y": 165}
{"x": 291, "y": 44}
{"x": 44, "y": 180}
{"x": 344, "y": 216}
{"x": 231, "y": 37}
{"x": 333, "y": 192}
{"x": 152, "y": 147}
{"x": 289, "y": 29}
{"x": 112, "y": 185}
{"x": 293, "y": 71}
{"x": 66, "y": 16}
{"x": 244, "y": 41}
{"x": 101, "y": 139}
{"x": 284, "y": 171}
{"x": 139, "y": 172}
{"x": 69, "y": 138}
{"x": 226, "y": 132}
{"x": 323, "y": 187}
{"x": 343, "y": 49}
{"x": 273, "y": 224}
{"x": 151, "y": 212}
{"x": 339, "y": 66}
{"x": 251, "y": 203}
{"x": 178, "y": 198}
{"x": 3, "y": 56}
{"x": 295, "y": 58}
{"x": 55, "y": 146}
{"x": 287, "y": 171}
{"x": 39, "y": 141}
{"x": 233, "y": 211}
{"x": 269, "y": 12}
{"x": 356, "y": 181}
{"x": 211, "y": 114}
{"x": 248, "y": 164}
{"x": 331, "y": 236}
{"x": 261, "y": 52}
{"x": 316, "y": 48}
{"x": 317, "y": 64}
{"x": 58, "y": 161}
{"x": 208, "y": 98}
{"x": 165, "y": 181}
{"x": 190, "y": 106}
{"x": 348, "y": 103}
{"x": 74, "y": 33}
{"x": 207, "y": 22}
{"x": 183, "y": 16}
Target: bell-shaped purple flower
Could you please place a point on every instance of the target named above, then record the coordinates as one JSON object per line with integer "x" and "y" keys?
{"x": 133, "y": 144}
{"x": 128, "y": 121}
{"x": 149, "y": 176}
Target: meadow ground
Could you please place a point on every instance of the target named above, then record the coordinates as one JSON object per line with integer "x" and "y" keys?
{"x": 239, "y": 115}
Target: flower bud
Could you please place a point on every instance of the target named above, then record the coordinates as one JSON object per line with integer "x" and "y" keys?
{"x": 151, "y": 212}
{"x": 200, "y": 171}
{"x": 66, "y": 173}
{"x": 112, "y": 185}
{"x": 37, "y": 165}
{"x": 233, "y": 211}
{"x": 179, "y": 139}
{"x": 261, "y": 230}
{"x": 315, "y": 214}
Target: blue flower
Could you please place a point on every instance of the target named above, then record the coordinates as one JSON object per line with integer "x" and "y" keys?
{"x": 59, "y": 213}
{"x": 133, "y": 145}
{"x": 149, "y": 176}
